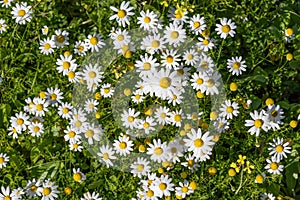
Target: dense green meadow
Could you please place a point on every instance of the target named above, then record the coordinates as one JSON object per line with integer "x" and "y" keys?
{"x": 150, "y": 99}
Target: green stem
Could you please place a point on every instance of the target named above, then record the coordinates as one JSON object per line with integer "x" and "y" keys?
{"x": 241, "y": 182}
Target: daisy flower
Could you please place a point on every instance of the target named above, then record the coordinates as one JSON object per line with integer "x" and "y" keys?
{"x": 260, "y": 178}
{"x": 206, "y": 44}
{"x": 229, "y": 109}
{"x": 29, "y": 108}
{"x": 89, "y": 196}
{"x": 145, "y": 64}
{"x": 6, "y": 3}
{"x": 4, "y": 158}
{"x": 6, "y": 194}
{"x": 107, "y": 90}
{"x": 198, "y": 143}
{"x": 197, "y": 81}
{"x": 123, "y": 14}
{"x": 78, "y": 176}
{"x": 36, "y": 129}
{"x": 205, "y": 64}
{"x": 170, "y": 59}
{"x": 71, "y": 135}
{"x": 161, "y": 115}
{"x": 123, "y": 145}
{"x": 176, "y": 150}
{"x": 221, "y": 125}
{"x": 61, "y": 38}
{"x": 148, "y": 125}
{"x": 174, "y": 34}
{"x": 212, "y": 83}
{"x": 22, "y": 13}
{"x": 91, "y": 105}
{"x": 73, "y": 76}
{"x": 46, "y": 46}
{"x": 197, "y": 24}
{"x": 32, "y": 188}
{"x": 80, "y": 48}
{"x": 54, "y": 96}
{"x": 148, "y": 20}
{"x": 15, "y": 132}
{"x": 190, "y": 57}
{"x": 236, "y": 65}
{"x": 153, "y": 43}
{"x": 18, "y": 192}
{"x": 176, "y": 117}
{"x": 20, "y": 121}
{"x": 94, "y": 42}
{"x": 106, "y": 154}
{"x": 279, "y": 149}
{"x": 129, "y": 118}
{"x": 92, "y": 74}
{"x": 268, "y": 196}
{"x": 162, "y": 186}
{"x": 48, "y": 190}
{"x": 140, "y": 167}
{"x": 190, "y": 163}
{"x": 120, "y": 38}
{"x": 2, "y": 26}
{"x": 158, "y": 151}
{"x": 226, "y": 28}
{"x": 289, "y": 34}
{"x": 184, "y": 189}
{"x": 75, "y": 146}
{"x": 259, "y": 121}
{"x": 177, "y": 15}
{"x": 273, "y": 166}
{"x": 275, "y": 115}
{"x": 92, "y": 133}
{"x": 65, "y": 110}
{"x": 137, "y": 97}
{"x": 176, "y": 98}
{"x": 65, "y": 63}
{"x": 45, "y": 30}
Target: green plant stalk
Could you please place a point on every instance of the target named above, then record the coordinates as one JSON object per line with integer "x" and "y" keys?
{"x": 241, "y": 181}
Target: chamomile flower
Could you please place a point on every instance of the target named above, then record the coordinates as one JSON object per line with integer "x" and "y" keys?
{"x": 176, "y": 117}
{"x": 22, "y": 13}
{"x": 15, "y": 132}
{"x": 145, "y": 64}
{"x": 140, "y": 167}
{"x": 129, "y": 118}
{"x": 123, "y": 145}
{"x": 289, "y": 34}
{"x": 275, "y": 115}
{"x": 205, "y": 64}
{"x": 46, "y": 46}
{"x": 158, "y": 151}
{"x": 148, "y": 20}
{"x": 170, "y": 59}
{"x": 184, "y": 189}
{"x": 176, "y": 150}
{"x": 177, "y": 15}
{"x": 45, "y": 30}
{"x": 78, "y": 176}
{"x": 91, "y": 105}
{"x": 260, "y": 178}
{"x": 147, "y": 125}
{"x": 176, "y": 98}
{"x": 94, "y": 42}
{"x": 198, "y": 143}
{"x": 6, "y": 3}
{"x": 137, "y": 97}
{"x": 4, "y": 158}
{"x": 80, "y": 48}
{"x": 259, "y": 121}
{"x": 120, "y": 38}
{"x": 32, "y": 188}
{"x": 107, "y": 90}
{"x": 54, "y": 96}
{"x": 273, "y": 166}
{"x": 29, "y": 108}
{"x": 221, "y": 125}
{"x": 6, "y": 194}
{"x": 36, "y": 129}
{"x": 190, "y": 57}
{"x": 161, "y": 115}
{"x": 65, "y": 110}
{"x": 153, "y": 43}
{"x": 279, "y": 149}
{"x": 226, "y": 28}
{"x": 2, "y": 26}
{"x": 123, "y": 14}
{"x": 212, "y": 83}
{"x": 73, "y": 76}
{"x": 92, "y": 133}
{"x": 229, "y": 109}
{"x": 93, "y": 75}
{"x": 197, "y": 81}
{"x": 174, "y": 34}
{"x": 268, "y": 196}
{"x": 71, "y": 134}
{"x": 91, "y": 196}
{"x": 162, "y": 186}
{"x": 48, "y": 190}
{"x": 18, "y": 192}
{"x": 197, "y": 24}
{"x": 61, "y": 38}
{"x": 75, "y": 146}
{"x": 65, "y": 63}
{"x": 236, "y": 65}
{"x": 106, "y": 154}
{"x": 20, "y": 121}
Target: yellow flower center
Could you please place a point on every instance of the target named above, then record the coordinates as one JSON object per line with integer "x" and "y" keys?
{"x": 177, "y": 118}
{"x": 146, "y": 125}
{"x": 210, "y": 83}
{"x": 180, "y": 72}
{"x": 198, "y": 142}
{"x": 66, "y": 65}
{"x": 178, "y": 14}
{"x": 274, "y": 166}
{"x": 47, "y": 46}
{"x": 130, "y": 118}
{"x": 274, "y": 113}
{"x": 106, "y": 90}
{"x": 71, "y": 74}
{"x": 46, "y": 191}
{"x": 120, "y": 37}
{"x": 165, "y": 82}
{"x": 89, "y": 133}
{"x": 147, "y": 20}
{"x": 190, "y": 163}
{"x": 80, "y": 48}
{"x": 33, "y": 188}
{"x": 140, "y": 167}
{"x": 150, "y": 193}
{"x": 137, "y": 97}
{"x": 21, "y": 13}
{"x": 105, "y": 156}
{"x": 20, "y": 121}
{"x": 204, "y": 65}
{"x": 289, "y": 31}
{"x": 184, "y": 189}
{"x": 72, "y": 134}
{"x": 169, "y": 59}
{"x": 122, "y": 145}
{"x": 7, "y": 198}
{"x": 65, "y": 110}
{"x": 236, "y": 65}
{"x": 36, "y": 129}
{"x": 258, "y": 123}
{"x": 163, "y": 115}
{"x": 1, "y": 160}
{"x": 77, "y": 177}
{"x": 229, "y": 109}
{"x": 60, "y": 38}
{"x": 92, "y": 74}
{"x": 53, "y": 96}
{"x": 39, "y": 107}
{"x": 147, "y": 66}
{"x": 155, "y": 43}
{"x": 259, "y": 179}
{"x": 199, "y": 81}
{"x": 279, "y": 148}
{"x": 205, "y": 42}
{"x": 225, "y": 29}
{"x": 174, "y": 34}
{"x": 162, "y": 186}
{"x": 78, "y": 123}
{"x": 94, "y": 40}
{"x": 196, "y": 25}
{"x": 121, "y": 13}
{"x": 158, "y": 151}
{"x": 75, "y": 146}
{"x": 190, "y": 56}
